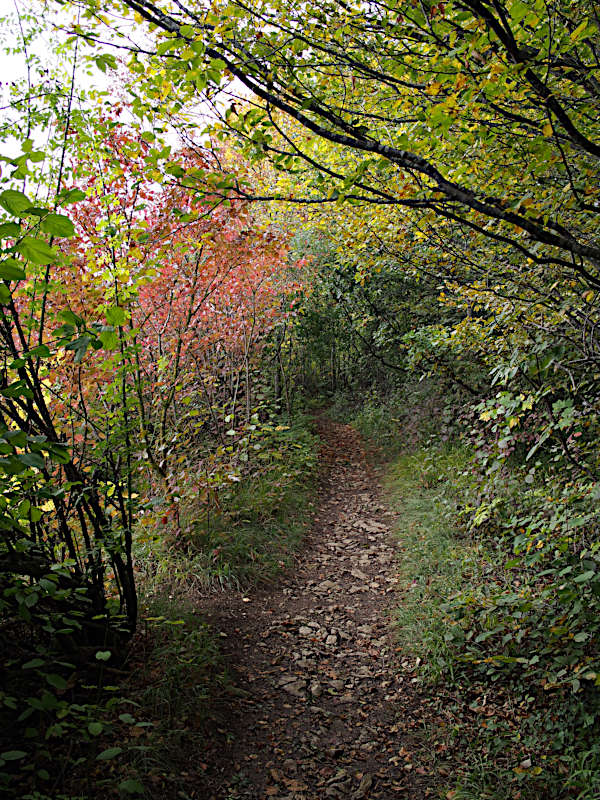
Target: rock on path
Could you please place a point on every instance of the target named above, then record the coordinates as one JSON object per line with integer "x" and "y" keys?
{"x": 318, "y": 706}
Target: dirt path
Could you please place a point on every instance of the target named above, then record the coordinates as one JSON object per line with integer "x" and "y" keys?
{"x": 323, "y": 707}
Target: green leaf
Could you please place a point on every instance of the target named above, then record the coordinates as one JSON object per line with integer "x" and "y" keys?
{"x": 519, "y": 10}
{"x": 59, "y": 453}
{"x": 95, "y": 728}
{"x": 58, "y": 225}
{"x": 41, "y": 351}
{"x": 9, "y": 229}
{"x": 34, "y": 663}
{"x": 31, "y": 600}
{"x": 175, "y": 169}
{"x": 11, "y": 270}
{"x": 13, "y": 755}
{"x": 579, "y": 30}
{"x": 79, "y": 345}
{"x": 36, "y": 250}
{"x": 57, "y": 681}
{"x": 103, "y": 655}
{"x": 109, "y": 338}
{"x": 71, "y": 196}
{"x": 105, "y": 60}
{"x": 70, "y": 317}
{"x": 18, "y": 438}
{"x": 165, "y": 47}
{"x": 585, "y": 576}
{"x": 11, "y": 466}
{"x": 4, "y": 295}
{"x": 111, "y": 752}
{"x": 115, "y": 316}
{"x": 130, "y": 786}
{"x": 16, "y": 389}
{"x": 14, "y": 202}
{"x": 31, "y": 460}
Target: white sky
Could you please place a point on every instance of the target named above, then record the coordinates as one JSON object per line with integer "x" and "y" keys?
{"x": 46, "y": 49}
{"x": 43, "y": 51}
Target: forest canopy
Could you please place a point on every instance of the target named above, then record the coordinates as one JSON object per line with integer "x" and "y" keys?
{"x": 419, "y": 105}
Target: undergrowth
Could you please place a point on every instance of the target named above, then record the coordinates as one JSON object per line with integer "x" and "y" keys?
{"x": 399, "y": 419}
{"x": 251, "y": 532}
{"x": 433, "y": 561}
{"x": 121, "y": 725}
{"x": 122, "y": 721}
{"x": 176, "y": 673}
{"x": 510, "y": 734}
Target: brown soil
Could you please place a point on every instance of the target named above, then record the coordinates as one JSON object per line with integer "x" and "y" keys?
{"x": 322, "y": 705}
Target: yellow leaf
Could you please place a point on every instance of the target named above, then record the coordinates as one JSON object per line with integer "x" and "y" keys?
{"x": 547, "y": 129}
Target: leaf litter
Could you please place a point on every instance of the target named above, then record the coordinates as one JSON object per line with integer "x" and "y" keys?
{"x": 323, "y": 705}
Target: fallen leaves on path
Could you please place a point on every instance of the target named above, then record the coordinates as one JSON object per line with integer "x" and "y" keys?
{"x": 315, "y": 657}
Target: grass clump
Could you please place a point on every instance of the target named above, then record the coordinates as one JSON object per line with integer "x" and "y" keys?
{"x": 176, "y": 671}
{"x": 399, "y": 419}
{"x": 433, "y": 560}
{"x": 111, "y": 724}
{"x": 244, "y": 533}
{"x": 141, "y": 713}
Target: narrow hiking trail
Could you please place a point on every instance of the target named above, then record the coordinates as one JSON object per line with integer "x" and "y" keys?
{"x": 323, "y": 706}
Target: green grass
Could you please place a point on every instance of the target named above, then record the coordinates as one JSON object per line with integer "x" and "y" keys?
{"x": 151, "y": 705}
{"x": 130, "y": 722}
{"x": 484, "y": 754}
{"x": 379, "y": 421}
{"x": 396, "y": 420}
{"x": 173, "y": 678}
{"x": 251, "y": 535}
{"x": 161, "y": 699}
{"x": 433, "y": 560}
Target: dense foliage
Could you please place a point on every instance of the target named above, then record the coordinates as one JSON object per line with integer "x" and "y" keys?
{"x": 139, "y": 402}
